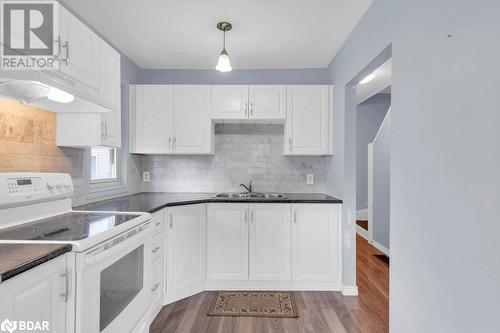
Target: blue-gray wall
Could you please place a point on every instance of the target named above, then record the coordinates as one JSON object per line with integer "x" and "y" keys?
{"x": 445, "y": 138}
{"x": 259, "y": 76}
{"x": 369, "y": 117}
{"x": 382, "y": 183}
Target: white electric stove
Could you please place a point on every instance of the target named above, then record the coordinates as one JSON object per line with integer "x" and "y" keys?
{"x": 112, "y": 250}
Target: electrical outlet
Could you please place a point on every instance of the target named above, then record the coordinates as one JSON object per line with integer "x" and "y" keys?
{"x": 145, "y": 176}
{"x": 310, "y": 179}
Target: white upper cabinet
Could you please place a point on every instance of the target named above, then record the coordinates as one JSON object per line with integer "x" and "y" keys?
{"x": 267, "y": 102}
{"x": 192, "y": 127}
{"x": 227, "y": 241}
{"x": 78, "y": 50}
{"x": 258, "y": 102}
{"x": 307, "y": 124}
{"x": 316, "y": 242}
{"x": 109, "y": 76}
{"x": 229, "y": 102}
{"x": 270, "y": 242}
{"x": 166, "y": 119}
{"x": 151, "y": 119}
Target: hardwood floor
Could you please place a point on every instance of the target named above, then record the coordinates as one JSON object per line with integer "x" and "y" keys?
{"x": 363, "y": 224}
{"x": 318, "y": 311}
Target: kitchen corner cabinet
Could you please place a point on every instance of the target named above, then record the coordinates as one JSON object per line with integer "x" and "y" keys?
{"x": 308, "y": 117}
{"x": 44, "y": 293}
{"x": 255, "y": 102}
{"x": 316, "y": 242}
{"x": 170, "y": 119}
{"x": 186, "y": 257}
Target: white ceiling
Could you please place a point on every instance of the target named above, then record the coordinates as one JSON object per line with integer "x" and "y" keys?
{"x": 266, "y": 33}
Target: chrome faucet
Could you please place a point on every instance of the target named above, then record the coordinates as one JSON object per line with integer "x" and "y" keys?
{"x": 248, "y": 188}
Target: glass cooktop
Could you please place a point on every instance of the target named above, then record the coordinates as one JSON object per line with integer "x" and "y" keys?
{"x": 72, "y": 226}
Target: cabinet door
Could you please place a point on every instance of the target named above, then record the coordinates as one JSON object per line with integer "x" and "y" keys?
{"x": 270, "y": 242}
{"x": 306, "y": 130}
{"x": 38, "y": 295}
{"x": 230, "y": 102}
{"x": 192, "y": 132}
{"x": 267, "y": 102}
{"x": 78, "y": 50}
{"x": 227, "y": 241}
{"x": 186, "y": 236}
{"x": 151, "y": 119}
{"x": 315, "y": 242}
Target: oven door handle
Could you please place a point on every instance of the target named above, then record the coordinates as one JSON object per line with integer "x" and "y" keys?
{"x": 119, "y": 244}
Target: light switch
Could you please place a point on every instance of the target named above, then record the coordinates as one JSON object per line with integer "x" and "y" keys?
{"x": 146, "y": 176}
{"x": 310, "y": 179}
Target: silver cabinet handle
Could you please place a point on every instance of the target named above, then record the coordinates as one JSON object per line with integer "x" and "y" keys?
{"x": 251, "y": 217}
{"x": 155, "y": 287}
{"x": 174, "y": 145}
{"x": 103, "y": 129}
{"x": 106, "y": 128}
{"x": 289, "y": 143}
{"x": 170, "y": 142}
{"x": 58, "y": 56}
{"x": 171, "y": 221}
{"x": 156, "y": 249}
{"x": 294, "y": 217}
{"x": 66, "y": 46}
{"x": 251, "y": 108}
{"x": 66, "y": 276}
{"x": 246, "y": 109}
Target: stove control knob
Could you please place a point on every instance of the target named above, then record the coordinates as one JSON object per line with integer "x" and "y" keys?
{"x": 50, "y": 184}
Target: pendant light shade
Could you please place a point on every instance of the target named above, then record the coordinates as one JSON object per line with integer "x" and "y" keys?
{"x": 224, "y": 64}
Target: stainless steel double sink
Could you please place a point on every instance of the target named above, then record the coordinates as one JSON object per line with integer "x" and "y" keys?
{"x": 249, "y": 196}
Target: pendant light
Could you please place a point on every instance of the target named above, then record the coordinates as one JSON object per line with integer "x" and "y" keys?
{"x": 224, "y": 65}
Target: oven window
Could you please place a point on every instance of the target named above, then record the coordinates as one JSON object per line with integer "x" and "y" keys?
{"x": 120, "y": 283}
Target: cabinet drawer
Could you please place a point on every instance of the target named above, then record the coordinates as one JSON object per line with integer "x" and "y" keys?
{"x": 157, "y": 248}
{"x": 157, "y": 222}
{"x": 156, "y": 280}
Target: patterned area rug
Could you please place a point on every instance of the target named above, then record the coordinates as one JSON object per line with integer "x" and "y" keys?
{"x": 276, "y": 304}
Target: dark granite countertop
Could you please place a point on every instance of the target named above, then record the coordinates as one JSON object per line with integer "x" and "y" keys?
{"x": 151, "y": 202}
{"x": 18, "y": 258}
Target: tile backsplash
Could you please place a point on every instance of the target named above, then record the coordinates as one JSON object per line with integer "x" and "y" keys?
{"x": 243, "y": 152}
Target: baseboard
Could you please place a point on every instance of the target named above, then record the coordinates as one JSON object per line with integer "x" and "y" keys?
{"x": 272, "y": 285}
{"x": 362, "y": 215}
{"x": 381, "y": 248}
{"x": 362, "y": 232}
{"x": 350, "y": 290}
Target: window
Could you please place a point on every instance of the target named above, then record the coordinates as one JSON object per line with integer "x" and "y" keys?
{"x": 103, "y": 166}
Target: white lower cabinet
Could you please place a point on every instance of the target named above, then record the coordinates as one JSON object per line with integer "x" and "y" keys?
{"x": 44, "y": 294}
{"x": 186, "y": 257}
{"x": 227, "y": 241}
{"x": 316, "y": 242}
{"x": 270, "y": 256}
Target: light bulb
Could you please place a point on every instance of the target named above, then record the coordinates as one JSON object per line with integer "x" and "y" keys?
{"x": 60, "y": 96}
{"x": 367, "y": 79}
{"x": 224, "y": 65}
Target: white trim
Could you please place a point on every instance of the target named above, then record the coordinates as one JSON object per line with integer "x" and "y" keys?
{"x": 387, "y": 115}
{"x": 381, "y": 248}
{"x": 272, "y": 285}
{"x": 362, "y": 215}
{"x": 370, "y": 193}
{"x": 350, "y": 290}
{"x": 362, "y": 232}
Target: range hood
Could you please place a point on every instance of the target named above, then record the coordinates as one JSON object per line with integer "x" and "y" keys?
{"x": 50, "y": 91}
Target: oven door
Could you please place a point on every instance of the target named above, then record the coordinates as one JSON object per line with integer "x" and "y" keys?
{"x": 112, "y": 291}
